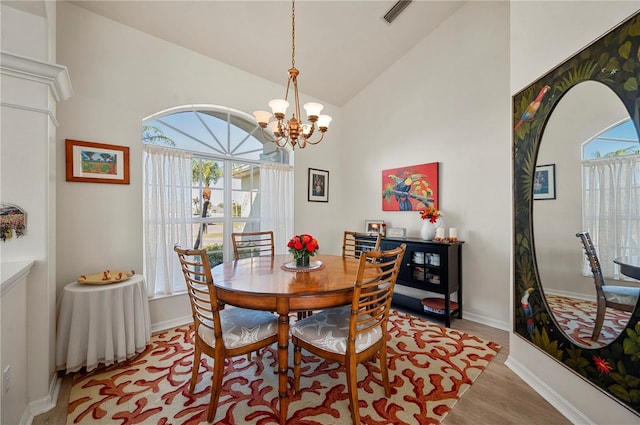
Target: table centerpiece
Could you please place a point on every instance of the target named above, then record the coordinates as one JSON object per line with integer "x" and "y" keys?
{"x": 302, "y": 247}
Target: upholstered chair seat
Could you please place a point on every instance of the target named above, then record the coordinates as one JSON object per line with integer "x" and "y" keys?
{"x": 621, "y": 294}
{"x": 329, "y": 329}
{"x": 241, "y": 327}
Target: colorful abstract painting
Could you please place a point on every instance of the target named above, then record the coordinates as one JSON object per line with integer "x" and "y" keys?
{"x": 410, "y": 188}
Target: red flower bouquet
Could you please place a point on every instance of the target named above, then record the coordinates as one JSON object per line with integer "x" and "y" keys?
{"x": 430, "y": 213}
{"x": 302, "y": 247}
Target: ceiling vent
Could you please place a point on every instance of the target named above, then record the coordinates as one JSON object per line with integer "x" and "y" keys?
{"x": 396, "y": 10}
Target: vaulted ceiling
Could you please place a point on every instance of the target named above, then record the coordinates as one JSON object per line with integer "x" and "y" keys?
{"x": 341, "y": 45}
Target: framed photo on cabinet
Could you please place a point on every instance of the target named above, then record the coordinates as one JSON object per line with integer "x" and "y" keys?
{"x": 373, "y": 227}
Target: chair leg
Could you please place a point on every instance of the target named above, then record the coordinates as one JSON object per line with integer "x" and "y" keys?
{"x": 352, "y": 387}
{"x": 384, "y": 370}
{"x": 216, "y": 385}
{"x": 297, "y": 359}
{"x": 194, "y": 369}
{"x": 597, "y": 327}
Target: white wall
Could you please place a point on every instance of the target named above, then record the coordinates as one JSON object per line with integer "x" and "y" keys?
{"x": 447, "y": 100}
{"x": 30, "y": 83}
{"x": 120, "y": 76}
{"x": 543, "y": 34}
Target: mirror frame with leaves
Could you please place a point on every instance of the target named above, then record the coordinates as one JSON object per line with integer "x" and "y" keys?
{"x": 613, "y": 60}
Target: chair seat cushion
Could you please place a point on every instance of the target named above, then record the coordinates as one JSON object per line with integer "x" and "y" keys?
{"x": 329, "y": 330}
{"x": 242, "y": 327}
{"x": 621, "y": 294}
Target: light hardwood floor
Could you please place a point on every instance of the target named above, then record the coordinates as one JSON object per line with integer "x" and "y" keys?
{"x": 497, "y": 397}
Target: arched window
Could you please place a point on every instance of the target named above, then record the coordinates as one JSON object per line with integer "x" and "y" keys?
{"x": 619, "y": 140}
{"x": 206, "y": 172}
{"x": 611, "y": 194}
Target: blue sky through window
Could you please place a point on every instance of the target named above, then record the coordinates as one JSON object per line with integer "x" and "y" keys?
{"x": 216, "y": 131}
{"x": 622, "y": 137}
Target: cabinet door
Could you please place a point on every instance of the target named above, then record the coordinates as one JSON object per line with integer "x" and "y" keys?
{"x": 404, "y": 274}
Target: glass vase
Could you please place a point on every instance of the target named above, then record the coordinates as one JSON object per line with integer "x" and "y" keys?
{"x": 302, "y": 261}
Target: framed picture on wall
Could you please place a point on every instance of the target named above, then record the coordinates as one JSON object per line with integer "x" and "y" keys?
{"x": 318, "y": 185}
{"x": 91, "y": 162}
{"x": 410, "y": 188}
{"x": 544, "y": 182}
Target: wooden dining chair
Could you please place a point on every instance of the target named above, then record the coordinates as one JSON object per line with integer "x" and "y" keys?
{"x": 354, "y": 243}
{"x": 622, "y": 298}
{"x": 252, "y": 244}
{"x": 220, "y": 332}
{"x": 355, "y": 333}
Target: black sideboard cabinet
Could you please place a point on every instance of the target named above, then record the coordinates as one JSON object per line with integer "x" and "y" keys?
{"x": 434, "y": 267}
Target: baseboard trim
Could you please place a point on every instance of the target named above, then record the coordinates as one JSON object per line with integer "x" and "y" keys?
{"x": 43, "y": 405}
{"x": 560, "y": 403}
{"x": 170, "y": 324}
{"x": 484, "y": 320}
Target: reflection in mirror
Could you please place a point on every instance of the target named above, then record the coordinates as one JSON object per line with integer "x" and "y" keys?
{"x": 589, "y": 121}
{"x": 545, "y": 263}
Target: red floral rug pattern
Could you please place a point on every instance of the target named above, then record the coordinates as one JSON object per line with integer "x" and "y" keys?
{"x": 577, "y": 318}
{"x": 430, "y": 367}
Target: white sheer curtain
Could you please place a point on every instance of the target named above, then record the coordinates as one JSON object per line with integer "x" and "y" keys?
{"x": 611, "y": 208}
{"x": 276, "y": 209}
{"x": 166, "y": 216}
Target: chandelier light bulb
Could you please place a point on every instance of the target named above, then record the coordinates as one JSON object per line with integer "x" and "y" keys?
{"x": 262, "y": 117}
{"x": 313, "y": 109}
{"x": 279, "y": 107}
{"x": 273, "y": 126}
{"x": 323, "y": 121}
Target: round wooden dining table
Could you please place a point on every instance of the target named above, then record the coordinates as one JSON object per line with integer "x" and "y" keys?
{"x": 273, "y": 284}
{"x": 629, "y": 266}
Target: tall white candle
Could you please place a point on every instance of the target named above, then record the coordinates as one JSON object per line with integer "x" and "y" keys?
{"x": 440, "y": 233}
{"x": 453, "y": 233}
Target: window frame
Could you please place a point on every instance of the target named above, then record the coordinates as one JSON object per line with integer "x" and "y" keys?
{"x": 222, "y": 149}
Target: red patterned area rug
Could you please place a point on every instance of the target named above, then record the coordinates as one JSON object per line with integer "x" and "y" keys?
{"x": 430, "y": 367}
{"x": 577, "y": 317}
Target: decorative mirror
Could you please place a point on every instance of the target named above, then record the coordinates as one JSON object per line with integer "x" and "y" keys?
{"x": 553, "y": 117}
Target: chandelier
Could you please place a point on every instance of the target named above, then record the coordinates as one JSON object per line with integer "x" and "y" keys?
{"x": 292, "y": 131}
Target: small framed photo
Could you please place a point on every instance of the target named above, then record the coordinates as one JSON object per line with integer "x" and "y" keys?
{"x": 397, "y": 232}
{"x": 96, "y": 162}
{"x": 373, "y": 227}
{"x": 544, "y": 182}
{"x": 318, "y": 185}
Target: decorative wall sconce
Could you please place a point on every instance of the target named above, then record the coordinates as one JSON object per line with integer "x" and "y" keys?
{"x": 13, "y": 220}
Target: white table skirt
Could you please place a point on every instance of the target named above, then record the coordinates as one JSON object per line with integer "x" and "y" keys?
{"x": 102, "y": 324}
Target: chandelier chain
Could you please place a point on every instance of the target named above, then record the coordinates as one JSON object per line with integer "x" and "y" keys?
{"x": 293, "y": 34}
{"x": 282, "y": 131}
